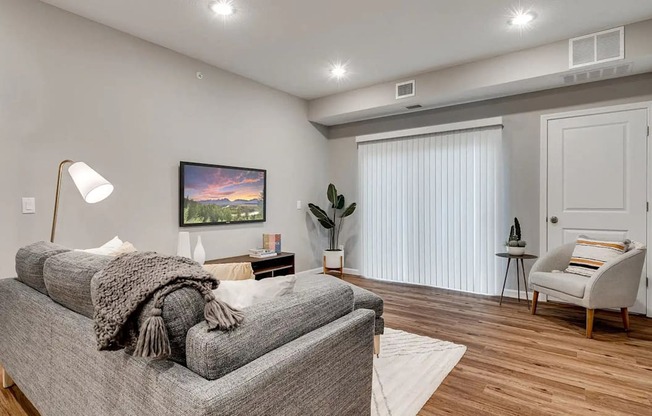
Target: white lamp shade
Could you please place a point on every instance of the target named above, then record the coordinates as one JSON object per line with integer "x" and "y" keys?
{"x": 92, "y": 186}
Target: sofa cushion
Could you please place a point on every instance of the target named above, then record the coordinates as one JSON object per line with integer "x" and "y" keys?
{"x": 568, "y": 283}
{"x": 68, "y": 277}
{"x": 30, "y": 261}
{"x": 231, "y": 271}
{"x": 266, "y": 326}
{"x": 362, "y": 298}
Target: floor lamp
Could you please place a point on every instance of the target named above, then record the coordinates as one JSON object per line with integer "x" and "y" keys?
{"x": 91, "y": 185}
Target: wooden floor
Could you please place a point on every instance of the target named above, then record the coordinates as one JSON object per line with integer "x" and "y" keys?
{"x": 519, "y": 364}
{"x": 516, "y": 363}
{"x": 13, "y": 402}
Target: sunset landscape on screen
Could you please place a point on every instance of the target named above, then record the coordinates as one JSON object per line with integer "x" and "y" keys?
{"x": 214, "y": 195}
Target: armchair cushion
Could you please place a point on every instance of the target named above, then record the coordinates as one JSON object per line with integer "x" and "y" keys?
{"x": 568, "y": 283}
{"x": 589, "y": 255}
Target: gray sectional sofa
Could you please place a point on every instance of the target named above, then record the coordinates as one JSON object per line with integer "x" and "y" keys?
{"x": 309, "y": 352}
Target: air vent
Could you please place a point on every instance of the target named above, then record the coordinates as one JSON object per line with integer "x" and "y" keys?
{"x": 595, "y": 48}
{"x": 405, "y": 89}
{"x": 598, "y": 74}
{"x": 414, "y": 107}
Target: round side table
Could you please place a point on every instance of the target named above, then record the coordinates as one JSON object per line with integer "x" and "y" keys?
{"x": 509, "y": 258}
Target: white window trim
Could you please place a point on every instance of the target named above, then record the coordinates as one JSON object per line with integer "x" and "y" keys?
{"x": 464, "y": 125}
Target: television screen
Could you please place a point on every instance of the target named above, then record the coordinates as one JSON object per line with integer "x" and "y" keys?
{"x": 213, "y": 194}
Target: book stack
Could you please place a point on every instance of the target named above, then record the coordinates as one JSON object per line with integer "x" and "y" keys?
{"x": 272, "y": 242}
{"x": 261, "y": 253}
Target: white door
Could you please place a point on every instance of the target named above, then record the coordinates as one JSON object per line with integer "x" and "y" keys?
{"x": 597, "y": 177}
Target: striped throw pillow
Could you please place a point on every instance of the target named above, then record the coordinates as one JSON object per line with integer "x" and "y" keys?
{"x": 589, "y": 255}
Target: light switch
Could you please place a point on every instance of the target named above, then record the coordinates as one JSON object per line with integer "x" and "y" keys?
{"x": 299, "y": 205}
{"x": 29, "y": 205}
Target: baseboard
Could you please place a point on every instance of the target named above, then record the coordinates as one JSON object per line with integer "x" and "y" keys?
{"x": 319, "y": 270}
{"x": 513, "y": 293}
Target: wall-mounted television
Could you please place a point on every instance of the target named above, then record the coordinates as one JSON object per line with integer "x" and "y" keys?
{"x": 215, "y": 194}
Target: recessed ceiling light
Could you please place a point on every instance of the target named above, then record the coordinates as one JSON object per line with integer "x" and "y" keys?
{"x": 522, "y": 18}
{"x": 222, "y": 7}
{"x": 338, "y": 70}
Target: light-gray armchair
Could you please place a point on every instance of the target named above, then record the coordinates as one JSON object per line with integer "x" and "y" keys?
{"x": 614, "y": 285}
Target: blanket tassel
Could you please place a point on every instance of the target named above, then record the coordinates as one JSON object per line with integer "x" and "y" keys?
{"x": 220, "y": 315}
{"x": 153, "y": 341}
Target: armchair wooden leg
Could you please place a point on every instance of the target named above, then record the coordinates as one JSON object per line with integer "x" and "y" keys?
{"x": 535, "y": 299}
{"x": 589, "y": 322}
{"x": 377, "y": 345}
{"x": 625, "y": 313}
{"x": 6, "y": 379}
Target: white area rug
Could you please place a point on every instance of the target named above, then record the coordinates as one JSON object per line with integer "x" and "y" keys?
{"x": 409, "y": 370}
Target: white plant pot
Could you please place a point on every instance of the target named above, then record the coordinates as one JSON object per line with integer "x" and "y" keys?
{"x": 516, "y": 251}
{"x": 333, "y": 259}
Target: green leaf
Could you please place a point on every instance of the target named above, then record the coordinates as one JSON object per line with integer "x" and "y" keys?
{"x": 332, "y": 194}
{"x": 318, "y": 212}
{"x": 349, "y": 210}
{"x": 327, "y": 223}
{"x": 340, "y": 202}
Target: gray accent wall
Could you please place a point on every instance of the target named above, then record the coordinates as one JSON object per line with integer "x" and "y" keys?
{"x": 72, "y": 88}
{"x": 521, "y": 118}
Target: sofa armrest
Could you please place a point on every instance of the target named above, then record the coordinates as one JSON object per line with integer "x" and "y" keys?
{"x": 325, "y": 372}
{"x": 616, "y": 283}
{"x": 266, "y": 326}
{"x": 556, "y": 259}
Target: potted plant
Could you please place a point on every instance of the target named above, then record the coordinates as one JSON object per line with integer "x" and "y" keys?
{"x": 334, "y": 255}
{"x": 515, "y": 246}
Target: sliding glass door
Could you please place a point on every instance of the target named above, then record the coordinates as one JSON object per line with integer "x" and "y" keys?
{"x": 432, "y": 209}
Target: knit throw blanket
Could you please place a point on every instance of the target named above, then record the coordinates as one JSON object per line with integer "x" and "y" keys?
{"x": 130, "y": 280}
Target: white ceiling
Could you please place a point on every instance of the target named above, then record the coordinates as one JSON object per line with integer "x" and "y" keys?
{"x": 288, "y": 44}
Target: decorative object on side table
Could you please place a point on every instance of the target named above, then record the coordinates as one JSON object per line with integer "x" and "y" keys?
{"x": 200, "y": 253}
{"x": 272, "y": 242}
{"x": 515, "y": 245}
{"x": 334, "y": 255}
{"x": 183, "y": 245}
{"x": 509, "y": 258}
{"x": 91, "y": 185}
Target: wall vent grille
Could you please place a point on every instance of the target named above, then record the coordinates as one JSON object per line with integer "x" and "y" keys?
{"x": 414, "y": 107}
{"x": 596, "y": 48}
{"x": 405, "y": 89}
{"x": 598, "y": 74}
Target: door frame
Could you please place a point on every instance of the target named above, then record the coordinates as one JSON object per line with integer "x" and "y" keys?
{"x": 543, "y": 177}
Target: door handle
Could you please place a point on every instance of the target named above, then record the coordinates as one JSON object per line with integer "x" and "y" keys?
{"x": 554, "y": 220}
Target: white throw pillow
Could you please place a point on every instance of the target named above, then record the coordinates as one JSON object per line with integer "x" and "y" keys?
{"x": 107, "y": 248}
{"x": 126, "y": 247}
{"x": 241, "y": 294}
{"x": 589, "y": 255}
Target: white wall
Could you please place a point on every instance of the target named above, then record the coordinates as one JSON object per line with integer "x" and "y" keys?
{"x": 72, "y": 88}
{"x": 521, "y": 136}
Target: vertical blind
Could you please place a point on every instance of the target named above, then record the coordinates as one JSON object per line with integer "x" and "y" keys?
{"x": 432, "y": 209}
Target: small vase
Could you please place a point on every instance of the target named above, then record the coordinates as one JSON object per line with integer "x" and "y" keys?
{"x": 200, "y": 253}
{"x": 183, "y": 245}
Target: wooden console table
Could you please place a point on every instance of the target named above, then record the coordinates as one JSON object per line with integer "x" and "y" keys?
{"x": 279, "y": 265}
